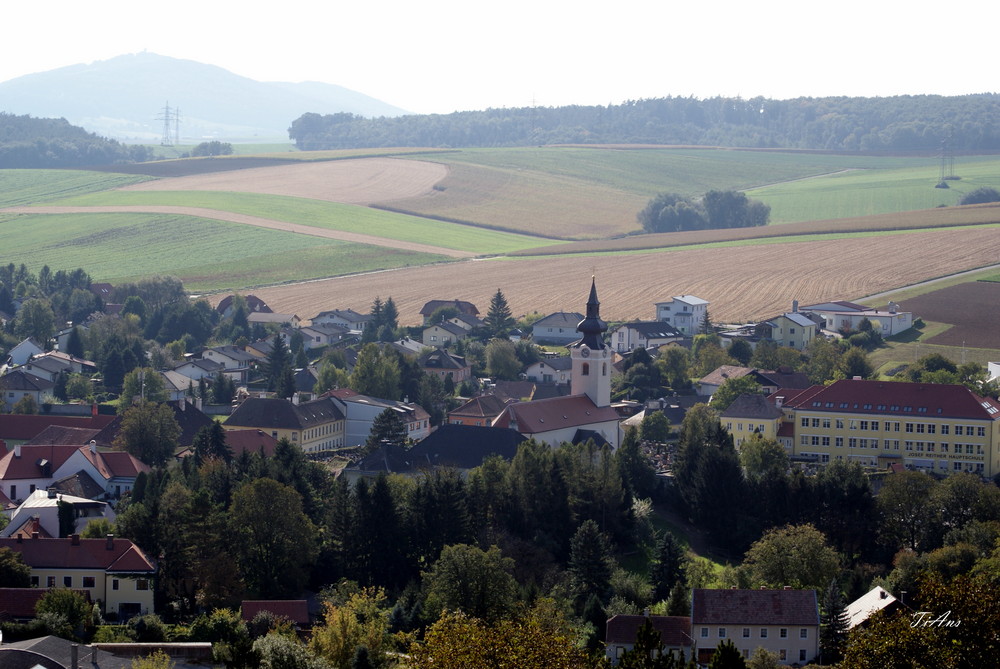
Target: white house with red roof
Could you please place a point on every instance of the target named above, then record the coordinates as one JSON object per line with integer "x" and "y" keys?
{"x": 27, "y": 468}
{"x": 587, "y": 412}
{"x": 114, "y": 571}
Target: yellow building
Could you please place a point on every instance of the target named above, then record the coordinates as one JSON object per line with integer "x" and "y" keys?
{"x": 751, "y": 415}
{"x": 315, "y": 426}
{"x": 940, "y": 428}
{"x": 114, "y": 571}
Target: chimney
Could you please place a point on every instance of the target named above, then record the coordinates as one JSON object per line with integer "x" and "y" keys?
{"x": 74, "y": 539}
{"x": 93, "y": 410}
{"x": 93, "y": 446}
{"x": 93, "y": 655}
{"x": 779, "y": 400}
{"x": 17, "y": 450}
{"x": 52, "y": 493}
{"x": 763, "y": 587}
{"x": 34, "y": 535}
{"x": 111, "y": 542}
{"x": 197, "y": 403}
{"x": 788, "y": 587}
{"x": 733, "y": 587}
{"x": 20, "y": 537}
{"x": 795, "y": 306}
{"x": 882, "y": 594}
{"x": 74, "y": 656}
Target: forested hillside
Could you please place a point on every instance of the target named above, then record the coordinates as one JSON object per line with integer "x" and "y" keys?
{"x": 28, "y": 142}
{"x": 896, "y": 124}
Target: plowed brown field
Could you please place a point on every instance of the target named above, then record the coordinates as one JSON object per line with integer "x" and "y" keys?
{"x": 971, "y": 308}
{"x": 362, "y": 181}
{"x": 742, "y": 283}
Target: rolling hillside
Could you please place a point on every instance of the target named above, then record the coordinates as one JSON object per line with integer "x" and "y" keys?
{"x": 291, "y": 221}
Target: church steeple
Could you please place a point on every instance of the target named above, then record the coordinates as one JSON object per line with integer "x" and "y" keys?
{"x": 591, "y": 356}
{"x": 592, "y": 327}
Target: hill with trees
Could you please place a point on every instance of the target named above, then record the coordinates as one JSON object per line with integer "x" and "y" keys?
{"x": 910, "y": 123}
{"x": 27, "y": 142}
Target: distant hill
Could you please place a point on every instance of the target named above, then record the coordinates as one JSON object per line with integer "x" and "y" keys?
{"x": 123, "y": 97}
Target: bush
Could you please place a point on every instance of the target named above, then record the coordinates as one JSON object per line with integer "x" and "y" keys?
{"x": 981, "y": 196}
{"x": 149, "y": 628}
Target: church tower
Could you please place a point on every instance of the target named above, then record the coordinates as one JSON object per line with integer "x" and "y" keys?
{"x": 591, "y": 374}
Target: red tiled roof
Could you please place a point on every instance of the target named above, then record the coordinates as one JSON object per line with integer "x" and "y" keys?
{"x": 19, "y": 603}
{"x": 21, "y": 427}
{"x": 26, "y": 466}
{"x": 554, "y": 414}
{"x": 250, "y": 441}
{"x": 754, "y": 607}
{"x": 674, "y": 630}
{"x": 122, "y": 556}
{"x": 897, "y": 398}
{"x": 119, "y": 463}
{"x": 295, "y": 610}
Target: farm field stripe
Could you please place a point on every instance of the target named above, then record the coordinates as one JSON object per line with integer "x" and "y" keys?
{"x": 246, "y": 219}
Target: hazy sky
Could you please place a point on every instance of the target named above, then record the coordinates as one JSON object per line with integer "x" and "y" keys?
{"x": 443, "y": 56}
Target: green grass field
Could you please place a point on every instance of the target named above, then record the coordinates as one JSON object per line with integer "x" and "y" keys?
{"x": 205, "y": 254}
{"x": 327, "y": 215}
{"x": 25, "y": 187}
{"x": 865, "y": 192}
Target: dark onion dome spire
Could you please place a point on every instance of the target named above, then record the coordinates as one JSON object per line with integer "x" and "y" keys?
{"x": 592, "y": 327}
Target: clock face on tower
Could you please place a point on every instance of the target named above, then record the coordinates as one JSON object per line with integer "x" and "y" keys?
{"x": 584, "y": 352}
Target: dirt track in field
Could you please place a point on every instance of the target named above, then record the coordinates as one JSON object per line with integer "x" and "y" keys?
{"x": 361, "y": 181}
{"x": 246, "y": 220}
{"x": 742, "y": 283}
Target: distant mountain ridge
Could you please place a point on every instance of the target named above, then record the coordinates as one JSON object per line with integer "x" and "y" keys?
{"x": 124, "y": 98}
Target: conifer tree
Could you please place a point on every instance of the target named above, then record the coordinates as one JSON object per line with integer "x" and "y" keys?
{"x": 833, "y": 623}
{"x": 498, "y": 319}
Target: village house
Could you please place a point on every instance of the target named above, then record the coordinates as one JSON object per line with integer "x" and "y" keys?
{"x": 479, "y": 411}
{"x": 751, "y": 416}
{"x": 27, "y": 468}
{"x": 784, "y": 622}
{"x": 254, "y": 305}
{"x": 360, "y": 412}
{"x": 442, "y": 364}
{"x": 558, "y": 328}
{"x": 622, "y": 630}
{"x": 316, "y": 427}
{"x": 444, "y": 334}
{"x": 262, "y": 318}
{"x": 24, "y": 351}
{"x": 792, "y": 329}
{"x": 847, "y": 316}
{"x": 18, "y": 384}
{"x": 41, "y": 511}
{"x": 197, "y": 369}
{"x": 430, "y": 308}
{"x": 111, "y": 570}
{"x": 643, "y": 334}
{"x": 318, "y": 335}
{"x": 346, "y": 318}
{"x": 550, "y": 370}
{"x": 686, "y": 313}
{"x": 235, "y": 361}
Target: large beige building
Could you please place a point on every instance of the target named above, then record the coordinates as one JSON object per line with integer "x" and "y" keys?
{"x": 930, "y": 427}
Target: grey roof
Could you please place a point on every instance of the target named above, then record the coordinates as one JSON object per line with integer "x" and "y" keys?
{"x": 270, "y": 412}
{"x": 653, "y": 329}
{"x": 559, "y": 363}
{"x": 797, "y": 318}
{"x": 560, "y": 319}
{"x": 25, "y": 381}
{"x": 441, "y": 359}
{"x": 752, "y": 405}
{"x": 457, "y": 446}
